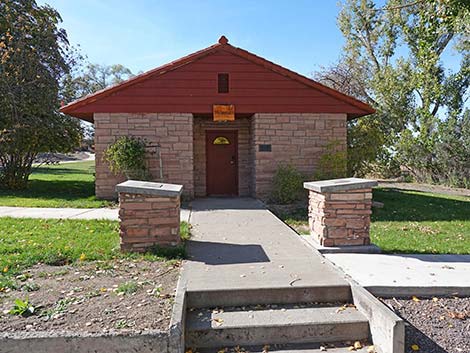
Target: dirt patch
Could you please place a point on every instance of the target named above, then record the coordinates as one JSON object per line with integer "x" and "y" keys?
{"x": 438, "y": 189}
{"x": 438, "y": 325}
{"x": 95, "y": 297}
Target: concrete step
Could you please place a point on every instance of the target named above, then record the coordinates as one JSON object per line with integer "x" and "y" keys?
{"x": 207, "y": 328}
{"x": 279, "y": 295}
{"x": 291, "y": 348}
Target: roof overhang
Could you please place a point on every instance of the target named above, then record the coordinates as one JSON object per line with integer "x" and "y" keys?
{"x": 74, "y": 108}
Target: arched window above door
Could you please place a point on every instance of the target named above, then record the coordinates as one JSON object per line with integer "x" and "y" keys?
{"x": 221, "y": 140}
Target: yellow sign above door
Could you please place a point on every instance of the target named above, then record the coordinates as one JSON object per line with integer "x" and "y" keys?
{"x": 223, "y": 112}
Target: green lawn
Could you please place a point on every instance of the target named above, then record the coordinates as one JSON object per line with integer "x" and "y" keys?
{"x": 26, "y": 242}
{"x": 417, "y": 222}
{"x": 412, "y": 222}
{"x": 64, "y": 185}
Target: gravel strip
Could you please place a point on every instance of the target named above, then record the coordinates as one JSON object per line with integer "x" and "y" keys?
{"x": 437, "y": 325}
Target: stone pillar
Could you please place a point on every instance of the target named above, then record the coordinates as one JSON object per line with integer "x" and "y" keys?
{"x": 339, "y": 211}
{"x": 149, "y": 215}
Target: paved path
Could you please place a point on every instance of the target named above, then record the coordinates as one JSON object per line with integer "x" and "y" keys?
{"x": 407, "y": 274}
{"x": 439, "y": 189}
{"x": 238, "y": 244}
{"x": 69, "y": 213}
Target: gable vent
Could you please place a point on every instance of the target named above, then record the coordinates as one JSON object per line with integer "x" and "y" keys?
{"x": 222, "y": 83}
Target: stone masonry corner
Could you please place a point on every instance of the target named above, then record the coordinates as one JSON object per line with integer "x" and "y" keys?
{"x": 149, "y": 215}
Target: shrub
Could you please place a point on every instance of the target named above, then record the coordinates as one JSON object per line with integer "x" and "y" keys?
{"x": 332, "y": 163}
{"x": 127, "y": 156}
{"x": 287, "y": 185}
{"x": 185, "y": 232}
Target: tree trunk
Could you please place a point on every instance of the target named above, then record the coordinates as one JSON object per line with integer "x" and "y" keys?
{"x": 15, "y": 173}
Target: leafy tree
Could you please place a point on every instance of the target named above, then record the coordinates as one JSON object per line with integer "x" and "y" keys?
{"x": 89, "y": 78}
{"x": 33, "y": 57}
{"x": 393, "y": 60}
{"x": 86, "y": 79}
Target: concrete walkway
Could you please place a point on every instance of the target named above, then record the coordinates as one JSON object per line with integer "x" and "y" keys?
{"x": 407, "y": 274}
{"x": 69, "y": 213}
{"x": 239, "y": 244}
{"x": 60, "y": 213}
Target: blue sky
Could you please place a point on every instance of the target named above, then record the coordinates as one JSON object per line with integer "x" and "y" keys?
{"x": 301, "y": 35}
{"x": 143, "y": 34}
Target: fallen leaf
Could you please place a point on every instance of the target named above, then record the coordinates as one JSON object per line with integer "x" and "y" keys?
{"x": 344, "y": 307}
{"x": 435, "y": 299}
{"x": 457, "y": 315}
{"x": 357, "y": 345}
{"x": 82, "y": 257}
{"x": 415, "y": 299}
{"x": 265, "y": 348}
{"x": 218, "y": 321}
{"x": 415, "y": 347}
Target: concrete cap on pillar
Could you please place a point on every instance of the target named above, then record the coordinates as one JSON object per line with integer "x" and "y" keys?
{"x": 150, "y": 188}
{"x": 340, "y": 184}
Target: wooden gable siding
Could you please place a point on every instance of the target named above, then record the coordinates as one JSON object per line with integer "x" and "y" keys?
{"x": 192, "y": 88}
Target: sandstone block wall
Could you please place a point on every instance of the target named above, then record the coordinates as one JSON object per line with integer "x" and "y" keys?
{"x": 173, "y": 131}
{"x": 296, "y": 139}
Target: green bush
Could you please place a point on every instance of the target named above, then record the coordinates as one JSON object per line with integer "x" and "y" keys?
{"x": 332, "y": 163}
{"x": 127, "y": 156}
{"x": 287, "y": 185}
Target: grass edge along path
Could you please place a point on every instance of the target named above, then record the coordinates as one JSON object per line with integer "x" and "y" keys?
{"x": 410, "y": 222}
{"x": 25, "y": 242}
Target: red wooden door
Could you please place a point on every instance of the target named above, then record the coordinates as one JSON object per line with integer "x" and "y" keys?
{"x": 221, "y": 163}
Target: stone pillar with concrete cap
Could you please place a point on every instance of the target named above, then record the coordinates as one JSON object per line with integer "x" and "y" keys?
{"x": 339, "y": 211}
{"x": 149, "y": 215}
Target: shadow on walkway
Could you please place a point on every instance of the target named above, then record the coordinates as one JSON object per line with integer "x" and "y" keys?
{"x": 226, "y": 203}
{"x": 213, "y": 253}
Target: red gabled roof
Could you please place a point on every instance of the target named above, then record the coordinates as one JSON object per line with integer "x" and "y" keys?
{"x": 78, "y": 108}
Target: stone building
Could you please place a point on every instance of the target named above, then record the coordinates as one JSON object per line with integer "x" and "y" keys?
{"x": 222, "y": 120}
